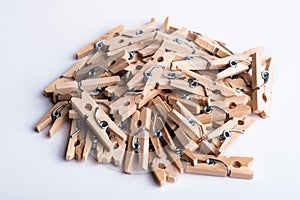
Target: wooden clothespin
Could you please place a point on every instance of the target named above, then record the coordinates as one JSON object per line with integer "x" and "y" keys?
{"x": 98, "y": 42}
{"x": 57, "y": 115}
{"x": 163, "y": 109}
{"x": 124, "y": 107}
{"x": 101, "y": 63}
{"x": 76, "y": 142}
{"x": 192, "y": 62}
{"x": 192, "y": 120}
{"x": 262, "y": 84}
{"x": 161, "y": 57}
{"x": 150, "y": 49}
{"x": 224, "y": 110}
{"x": 67, "y": 76}
{"x": 184, "y": 141}
{"x": 212, "y": 46}
{"x": 116, "y": 156}
{"x": 160, "y": 107}
{"x": 174, "y": 158}
{"x": 235, "y": 167}
{"x": 127, "y": 38}
{"x": 240, "y": 83}
{"x": 230, "y": 135}
{"x": 156, "y": 135}
{"x": 166, "y": 24}
{"x": 193, "y": 106}
{"x": 163, "y": 171}
{"x": 139, "y": 140}
{"x": 213, "y": 86}
{"x": 187, "y": 124}
{"x": 225, "y": 62}
{"x": 236, "y": 66}
{"x": 74, "y": 88}
{"x": 177, "y": 46}
{"x": 153, "y": 78}
{"x": 188, "y": 85}
{"x": 97, "y": 120}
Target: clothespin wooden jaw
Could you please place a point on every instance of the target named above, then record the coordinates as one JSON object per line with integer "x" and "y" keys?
{"x": 163, "y": 171}
{"x": 57, "y": 115}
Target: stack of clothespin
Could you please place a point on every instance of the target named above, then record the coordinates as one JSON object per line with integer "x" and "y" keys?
{"x": 161, "y": 99}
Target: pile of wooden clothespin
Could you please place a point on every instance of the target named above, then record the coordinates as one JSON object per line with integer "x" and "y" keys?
{"x": 161, "y": 99}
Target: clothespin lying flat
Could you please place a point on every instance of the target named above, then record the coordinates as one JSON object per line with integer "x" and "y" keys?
{"x": 67, "y": 76}
{"x": 213, "y": 86}
{"x": 98, "y": 42}
{"x": 152, "y": 98}
{"x": 224, "y": 110}
{"x": 100, "y": 63}
{"x": 94, "y": 86}
{"x": 235, "y": 167}
{"x": 212, "y": 46}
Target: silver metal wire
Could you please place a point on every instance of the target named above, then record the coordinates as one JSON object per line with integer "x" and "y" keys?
{"x": 136, "y": 145}
{"x": 156, "y": 132}
{"x": 55, "y": 114}
{"x": 212, "y": 162}
{"x": 101, "y": 124}
{"x": 194, "y": 83}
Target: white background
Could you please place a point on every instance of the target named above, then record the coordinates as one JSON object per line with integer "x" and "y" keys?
{"x": 38, "y": 40}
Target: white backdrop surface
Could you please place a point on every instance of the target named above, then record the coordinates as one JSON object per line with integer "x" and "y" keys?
{"x": 38, "y": 40}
